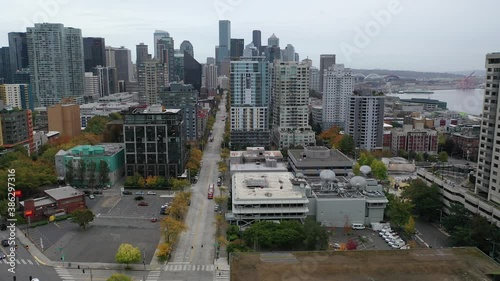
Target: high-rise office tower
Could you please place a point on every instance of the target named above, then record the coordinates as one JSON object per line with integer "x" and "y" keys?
{"x": 256, "y": 39}
{"x": 210, "y": 76}
{"x": 297, "y": 58}
{"x": 210, "y": 60}
{"x": 273, "y": 53}
{"x": 166, "y": 54}
{"x": 157, "y": 36}
{"x": 188, "y": 47}
{"x": 142, "y": 54}
{"x": 56, "y": 63}
{"x": 365, "y": 121}
{"x": 18, "y": 48}
{"x": 325, "y": 61}
{"x": 224, "y": 50}
{"x": 488, "y": 180}
{"x": 107, "y": 79}
{"x": 237, "y": 46}
{"x": 5, "y": 72}
{"x": 192, "y": 72}
{"x": 250, "y": 51}
{"x": 110, "y": 57}
{"x": 273, "y": 41}
{"x": 290, "y": 105}
{"x": 313, "y": 78}
{"x": 152, "y": 77}
{"x": 338, "y": 87}
{"x": 94, "y": 52}
{"x": 289, "y": 53}
{"x": 178, "y": 95}
{"x": 250, "y": 93}
{"x": 123, "y": 61}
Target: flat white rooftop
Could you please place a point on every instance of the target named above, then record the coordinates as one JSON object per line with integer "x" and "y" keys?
{"x": 265, "y": 186}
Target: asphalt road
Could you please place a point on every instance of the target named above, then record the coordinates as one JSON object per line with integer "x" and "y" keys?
{"x": 431, "y": 235}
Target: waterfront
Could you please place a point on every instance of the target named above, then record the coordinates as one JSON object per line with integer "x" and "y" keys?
{"x": 468, "y": 101}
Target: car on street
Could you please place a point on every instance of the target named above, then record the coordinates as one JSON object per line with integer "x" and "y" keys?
{"x": 139, "y": 193}
{"x": 143, "y": 203}
{"x": 91, "y": 196}
{"x": 154, "y": 219}
{"x": 5, "y": 243}
{"x": 96, "y": 192}
{"x": 216, "y": 208}
{"x": 87, "y": 192}
{"x": 2, "y": 256}
{"x": 151, "y": 193}
{"x": 127, "y": 192}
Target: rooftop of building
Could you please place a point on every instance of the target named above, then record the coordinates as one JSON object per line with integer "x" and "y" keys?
{"x": 265, "y": 186}
{"x": 257, "y": 151}
{"x": 103, "y": 149}
{"x": 63, "y": 192}
{"x": 312, "y": 156}
{"x": 420, "y": 100}
{"x": 154, "y": 109}
{"x": 255, "y": 167}
{"x": 328, "y": 185}
{"x": 410, "y": 265}
{"x": 42, "y": 201}
{"x": 104, "y": 105}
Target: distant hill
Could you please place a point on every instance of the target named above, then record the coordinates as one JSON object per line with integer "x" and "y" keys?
{"x": 412, "y": 74}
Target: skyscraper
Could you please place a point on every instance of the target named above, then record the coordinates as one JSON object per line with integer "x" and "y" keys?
{"x": 94, "y": 52}
{"x": 325, "y": 61}
{"x": 110, "y": 57}
{"x": 123, "y": 61}
{"x": 250, "y": 94}
{"x": 5, "y": 72}
{"x": 250, "y": 51}
{"x": 314, "y": 79}
{"x": 237, "y": 46}
{"x": 192, "y": 72}
{"x": 183, "y": 96}
{"x": 224, "y": 50}
{"x": 365, "y": 121}
{"x": 152, "y": 77}
{"x": 210, "y": 76}
{"x": 188, "y": 47}
{"x": 289, "y": 53}
{"x": 166, "y": 54}
{"x": 107, "y": 79}
{"x": 56, "y": 63}
{"x": 18, "y": 48}
{"x": 91, "y": 87}
{"x": 273, "y": 41}
{"x": 290, "y": 105}
{"x": 141, "y": 54}
{"x": 488, "y": 180}
{"x": 157, "y": 36}
{"x": 338, "y": 87}
{"x": 256, "y": 38}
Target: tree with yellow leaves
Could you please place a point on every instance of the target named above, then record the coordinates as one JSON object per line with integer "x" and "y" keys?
{"x": 171, "y": 228}
{"x": 164, "y": 250}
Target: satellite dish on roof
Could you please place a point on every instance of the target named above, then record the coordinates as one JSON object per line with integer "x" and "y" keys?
{"x": 365, "y": 170}
{"x": 358, "y": 183}
{"x": 299, "y": 175}
{"x": 327, "y": 175}
{"x": 302, "y": 185}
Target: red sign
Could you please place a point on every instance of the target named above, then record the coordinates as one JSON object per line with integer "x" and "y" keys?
{"x": 28, "y": 213}
{"x": 17, "y": 193}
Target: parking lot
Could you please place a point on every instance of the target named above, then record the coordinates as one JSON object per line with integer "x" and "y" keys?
{"x": 367, "y": 239}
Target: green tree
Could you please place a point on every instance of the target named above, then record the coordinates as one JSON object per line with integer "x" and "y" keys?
{"x": 419, "y": 157}
{"x": 82, "y": 168}
{"x": 426, "y": 199}
{"x": 91, "y": 175}
{"x": 398, "y": 210}
{"x": 70, "y": 172}
{"x": 347, "y": 145}
{"x": 132, "y": 181}
{"x": 410, "y": 226}
{"x": 443, "y": 156}
{"x": 103, "y": 172}
{"x": 458, "y": 216}
{"x": 128, "y": 254}
{"x": 4, "y": 208}
{"x": 115, "y": 116}
{"x": 119, "y": 277}
{"x": 379, "y": 170}
{"x": 316, "y": 237}
{"x": 355, "y": 169}
{"x": 97, "y": 125}
{"x": 178, "y": 184}
{"x": 366, "y": 159}
{"x": 82, "y": 217}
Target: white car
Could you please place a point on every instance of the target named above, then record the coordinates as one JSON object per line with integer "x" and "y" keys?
{"x": 394, "y": 245}
{"x": 91, "y": 196}
{"x": 151, "y": 193}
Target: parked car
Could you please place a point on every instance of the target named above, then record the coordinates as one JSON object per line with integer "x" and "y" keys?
{"x": 97, "y": 192}
{"x": 154, "y": 219}
{"x": 2, "y": 256}
{"x": 139, "y": 193}
{"x": 151, "y": 193}
{"x": 87, "y": 192}
{"x": 5, "y": 243}
{"x": 216, "y": 208}
{"x": 91, "y": 196}
{"x": 139, "y": 198}
{"x": 143, "y": 203}
{"x": 127, "y": 192}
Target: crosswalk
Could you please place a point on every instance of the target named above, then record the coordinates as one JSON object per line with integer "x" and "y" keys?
{"x": 21, "y": 261}
{"x": 153, "y": 276}
{"x": 64, "y": 274}
{"x": 189, "y": 267}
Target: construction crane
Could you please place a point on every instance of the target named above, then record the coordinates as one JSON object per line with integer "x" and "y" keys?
{"x": 468, "y": 82}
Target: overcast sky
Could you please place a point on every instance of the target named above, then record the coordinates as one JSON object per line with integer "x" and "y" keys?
{"x": 424, "y": 35}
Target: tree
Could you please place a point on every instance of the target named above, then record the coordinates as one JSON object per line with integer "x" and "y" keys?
{"x": 346, "y": 145}
{"x": 178, "y": 184}
{"x": 316, "y": 237}
{"x": 332, "y": 136}
{"x": 128, "y": 254}
{"x": 443, "y": 156}
{"x": 219, "y": 200}
{"x": 379, "y": 170}
{"x": 426, "y": 199}
{"x": 152, "y": 181}
{"x": 410, "y": 226}
{"x": 82, "y": 217}
{"x": 356, "y": 169}
{"x": 171, "y": 228}
{"x": 4, "y": 208}
{"x": 103, "y": 172}
{"x": 164, "y": 250}
{"x": 119, "y": 277}
{"x": 97, "y": 124}
{"x": 91, "y": 178}
{"x": 398, "y": 210}
{"x": 70, "y": 172}
{"x": 132, "y": 181}
{"x": 351, "y": 245}
{"x": 419, "y": 157}
{"x": 458, "y": 216}
{"x": 366, "y": 159}
{"x": 141, "y": 182}
{"x": 81, "y": 171}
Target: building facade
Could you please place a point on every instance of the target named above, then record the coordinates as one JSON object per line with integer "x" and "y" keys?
{"x": 17, "y": 95}
{"x": 290, "y": 101}
{"x": 224, "y": 48}
{"x": 325, "y": 61}
{"x": 467, "y": 144}
{"x": 154, "y": 142}
{"x": 152, "y": 77}
{"x": 185, "y": 97}
{"x": 186, "y": 46}
{"x": 210, "y": 76}
{"x": 56, "y": 63}
{"x": 91, "y": 87}
{"x": 365, "y": 121}
{"x": 158, "y": 34}
{"x": 142, "y": 54}
{"x": 338, "y": 85}
{"x": 123, "y": 64}
{"x": 192, "y": 72}
{"x": 311, "y": 160}
{"x": 94, "y": 52}
{"x": 237, "y": 47}
{"x": 414, "y": 140}
{"x": 314, "y": 79}
{"x": 18, "y": 52}
{"x": 65, "y": 119}
{"x": 166, "y": 55}
{"x": 16, "y": 128}
{"x": 107, "y": 79}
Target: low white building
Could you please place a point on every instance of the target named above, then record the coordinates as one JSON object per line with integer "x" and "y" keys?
{"x": 89, "y": 110}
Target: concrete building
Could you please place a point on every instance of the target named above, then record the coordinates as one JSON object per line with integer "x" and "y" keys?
{"x": 166, "y": 55}
{"x": 317, "y": 115}
{"x": 17, "y": 95}
{"x": 311, "y": 160}
{"x": 113, "y": 154}
{"x": 289, "y": 53}
{"x": 325, "y": 61}
{"x": 429, "y": 104}
{"x": 89, "y": 110}
{"x": 158, "y": 34}
{"x": 91, "y": 87}
{"x": 210, "y": 71}
{"x": 110, "y": 56}
{"x": 40, "y": 138}
{"x": 185, "y": 97}
{"x": 65, "y": 119}
{"x": 338, "y": 86}
{"x": 290, "y": 101}
{"x": 488, "y": 180}
{"x": 142, "y": 54}
{"x": 468, "y": 144}
{"x": 118, "y": 97}
{"x": 273, "y": 41}
{"x": 94, "y": 52}
{"x": 123, "y": 64}
{"x": 417, "y": 140}
{"x": 256, "y": 159}
{"x": 18, "y": 52}
{"x": 314, "y": 79}
{"x": 56, "y": 63}
{"x": 250, "y": 51}
{"x": 237, "y": 47}
{"x": 16, "y": 128}
{"x": 250, "y": 94}
{"x": 41, "y": 119}
{"x": 223, "y": 82}
{"x": 152, "y": 77}
{"x": 107, "y": 79}
{"x": 186, "y": 46}
{"x": 365, "y": 121}
{"x": 56, "y": 202}
{"x": 154, "y": 142}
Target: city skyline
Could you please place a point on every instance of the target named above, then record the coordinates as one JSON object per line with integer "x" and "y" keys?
{"x": 127, "y": 23}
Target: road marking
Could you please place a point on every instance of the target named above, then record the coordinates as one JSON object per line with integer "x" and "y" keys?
{"x": 193, "y": 252}
{"x": 98, "y": 215}
{"x": 56, "y": 225}
{"x": 18, "y": 262}
{"x": 29, "y": 261}
{"x": 23, "y": 261}
{"x": 38, "y": 261}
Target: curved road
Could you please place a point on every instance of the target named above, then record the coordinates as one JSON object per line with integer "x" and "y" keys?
{"x": 200, "y": 219}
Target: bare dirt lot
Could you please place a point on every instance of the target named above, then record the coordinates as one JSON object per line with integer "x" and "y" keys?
{"x": 408, "y": 265}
